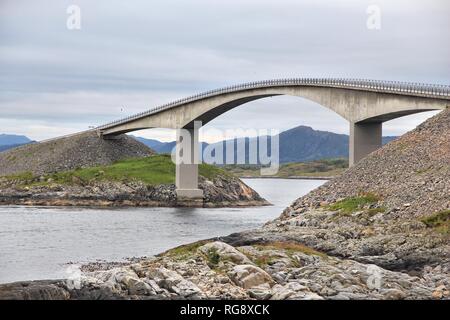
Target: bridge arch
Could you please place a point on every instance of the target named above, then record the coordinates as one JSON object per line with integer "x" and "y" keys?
{"x": 350, "y": 105}
{"x": 365, "y": 104}
{"x": 355, "y": 100}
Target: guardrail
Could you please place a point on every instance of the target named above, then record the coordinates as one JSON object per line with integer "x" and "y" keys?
{"x": 396, "y": 87}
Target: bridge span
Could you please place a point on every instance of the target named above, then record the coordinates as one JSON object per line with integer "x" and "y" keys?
{"x": 365, "y": 104}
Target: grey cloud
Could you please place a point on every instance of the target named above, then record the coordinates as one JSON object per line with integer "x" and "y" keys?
{"x": 142, "y": 53}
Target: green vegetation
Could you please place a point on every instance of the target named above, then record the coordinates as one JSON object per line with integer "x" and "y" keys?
{"x": 319, "y": 168}
{"x": 264, "y": 260}
{"x": 159, "y": 169}
{"x": 373, "y": 211}
{"x": 290, "y": 248}
{"x": 11, "y": 158}
{"x": 210, "y": 172}
{"x": 184, "y": 251}
{"x": 188, "y": 251}
{"x": 151, "y": 170}
{"x": 213, "y": 257}
{"x": 440, "y": 221}
{"x": 24, "y": 176}
{"x": 353, "y": 204}
{"x": 154, "y": 170}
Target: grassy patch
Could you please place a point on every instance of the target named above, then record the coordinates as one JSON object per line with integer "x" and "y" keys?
{"x": 290, "y": 248}
{"x": 264, "y": 260}
{"x": 184, "y": 251}
{"x": 154, "y": 170}
{"x": 24, "y": 176}
{"x": 22, "y": 179}
{"x": 373, "y": 211}
{"x": 150, "y": 170}
{"x": 190, "y": 250}
{"x": 210, "y": 172}
{"x": 353, "y": 204}
{"x": 440, "y": 221}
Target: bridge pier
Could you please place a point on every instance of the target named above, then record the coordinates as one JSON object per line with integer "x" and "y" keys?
{"x": 364, "y": 139}
{"x": 187, "y": 155}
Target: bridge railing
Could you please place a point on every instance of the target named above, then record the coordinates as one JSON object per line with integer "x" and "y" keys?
{"x": 396, "y": 87}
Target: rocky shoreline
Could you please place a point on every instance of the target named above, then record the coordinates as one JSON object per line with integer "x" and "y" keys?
{"x": 216, "y": 270}
{"x": 221, "y": 191}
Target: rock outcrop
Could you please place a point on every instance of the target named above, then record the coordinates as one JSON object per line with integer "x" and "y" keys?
{"x": 391, "y": 210}
{"x": 221, "y": 191}
{"x": 40, "y": 160}
{"x": 277, "y": 271}
{"x": 404, "y": 223}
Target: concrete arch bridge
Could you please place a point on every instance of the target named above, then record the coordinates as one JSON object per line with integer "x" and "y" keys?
{"x": 365, "y": 104}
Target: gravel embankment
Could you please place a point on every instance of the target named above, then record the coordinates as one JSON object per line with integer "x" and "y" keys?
{"x": 79, "y": 151}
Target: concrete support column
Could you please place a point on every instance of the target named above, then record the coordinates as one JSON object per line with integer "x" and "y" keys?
{"x": 364, "y": 139}
{"x": 187, "y": 159}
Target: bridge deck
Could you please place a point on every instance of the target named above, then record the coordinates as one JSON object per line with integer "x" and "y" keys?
{"x": 401, "y": 88}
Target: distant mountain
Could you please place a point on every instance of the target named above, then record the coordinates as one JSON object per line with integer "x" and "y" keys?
{"x": 158, "y": 146}
{"x": 306, "y": 144}
{"x": 388, "y": 139}
{"x": 298, "y": 144}
{"x": 12, "y": 139}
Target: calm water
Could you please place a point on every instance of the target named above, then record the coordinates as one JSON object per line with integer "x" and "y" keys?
{"x": 37, "y": 243}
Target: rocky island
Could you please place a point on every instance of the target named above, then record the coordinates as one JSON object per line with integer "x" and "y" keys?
{"x": 379, "y": 231}
{"x": 85, "y": 170}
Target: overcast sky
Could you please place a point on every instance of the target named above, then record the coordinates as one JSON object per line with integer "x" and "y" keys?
{"x": 130, "y": 56}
